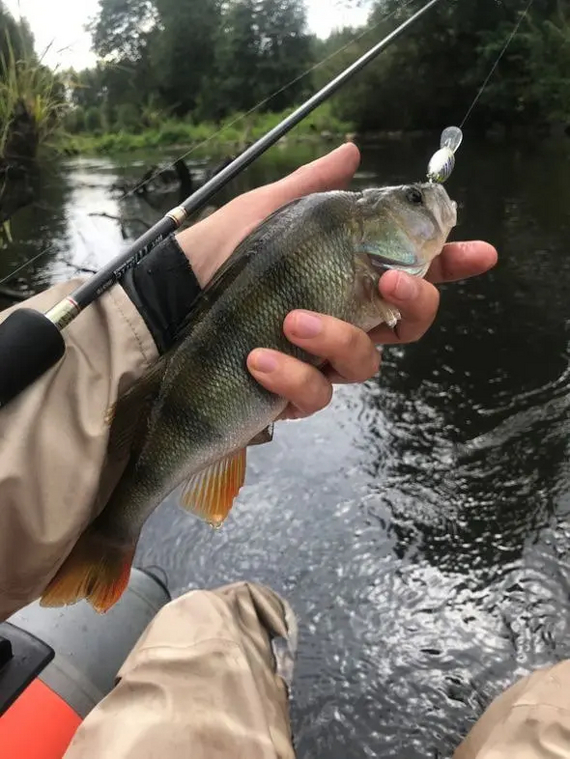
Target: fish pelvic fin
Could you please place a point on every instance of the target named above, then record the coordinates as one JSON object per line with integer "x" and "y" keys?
{"x": 210, "y": 494}
{"x": 265, "y": 436}
{"x": 95, "y": 570}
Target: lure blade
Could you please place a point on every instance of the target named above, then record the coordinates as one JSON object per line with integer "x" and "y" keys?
{"x": 451, "y": 138}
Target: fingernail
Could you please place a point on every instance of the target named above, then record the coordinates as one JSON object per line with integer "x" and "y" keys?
{"x": 307, "y": 325}
{"x": 406, "y": 287}
{"x": 264, "y": 362}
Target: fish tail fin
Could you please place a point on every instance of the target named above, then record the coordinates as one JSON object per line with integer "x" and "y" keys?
{"x": 96, "y": 570}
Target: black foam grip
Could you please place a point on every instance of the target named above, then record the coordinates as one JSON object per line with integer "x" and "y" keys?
{"x": 30, "y": 344}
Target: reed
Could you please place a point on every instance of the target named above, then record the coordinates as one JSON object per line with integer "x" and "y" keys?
{"x": 26, "y": 82}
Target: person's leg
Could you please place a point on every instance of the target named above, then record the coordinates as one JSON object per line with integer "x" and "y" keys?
{"x": 531, "y": 720}
{"x": 206, "y": 680}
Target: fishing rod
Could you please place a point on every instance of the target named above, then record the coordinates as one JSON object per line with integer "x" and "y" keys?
{"x": 31, "y": 342}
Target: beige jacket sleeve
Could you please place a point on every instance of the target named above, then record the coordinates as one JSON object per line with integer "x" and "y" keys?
{"x": 531, "y": 720}
{"x": 204, "y": 680}
{"x": 53, "y": 439}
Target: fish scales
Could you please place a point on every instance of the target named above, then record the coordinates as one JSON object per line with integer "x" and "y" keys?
{"x": 200, "y": 408}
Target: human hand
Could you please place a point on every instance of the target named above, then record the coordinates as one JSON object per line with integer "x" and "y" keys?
{"x": 350, "y": 354}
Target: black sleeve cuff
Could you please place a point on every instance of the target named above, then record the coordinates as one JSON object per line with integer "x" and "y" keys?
{"x": 163, "y": 288}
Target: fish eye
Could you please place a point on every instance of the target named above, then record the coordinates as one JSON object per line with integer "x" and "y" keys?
{"x": 414, "y": 195}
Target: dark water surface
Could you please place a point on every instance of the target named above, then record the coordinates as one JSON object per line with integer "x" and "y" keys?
{"x": 418, "y": 526}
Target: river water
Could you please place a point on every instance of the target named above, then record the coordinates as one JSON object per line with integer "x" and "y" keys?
{"x": 419, "y": 525}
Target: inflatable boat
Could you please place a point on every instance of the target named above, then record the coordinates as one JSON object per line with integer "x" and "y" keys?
{"x": 57, "y": 664}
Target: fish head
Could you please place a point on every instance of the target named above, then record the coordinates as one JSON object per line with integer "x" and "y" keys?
{"x": 406, "y": 226}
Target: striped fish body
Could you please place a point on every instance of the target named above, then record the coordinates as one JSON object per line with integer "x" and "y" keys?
{"x": 191, "y": 419}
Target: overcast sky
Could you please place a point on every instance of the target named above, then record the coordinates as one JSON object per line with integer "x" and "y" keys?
{"x": 60, "y": 23}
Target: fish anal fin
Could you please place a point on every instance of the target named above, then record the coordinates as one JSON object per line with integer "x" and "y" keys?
{"x": 96, "y": 570}
{"x": 128, "y": 416}
{"x": 210, "y": 494}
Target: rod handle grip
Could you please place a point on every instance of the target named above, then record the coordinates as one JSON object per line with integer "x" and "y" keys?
{"x": 30, "y": 344}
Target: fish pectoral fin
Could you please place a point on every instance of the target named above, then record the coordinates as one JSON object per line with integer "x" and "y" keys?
{"x": 390, "y": 315}
{"x": 96, "y": 570}
{"x": 129, "y": 415}
{"x": 210, "y": 494}
{"x": 265, "y": 436}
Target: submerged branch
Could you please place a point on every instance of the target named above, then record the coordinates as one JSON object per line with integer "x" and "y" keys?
{"x": 122, "y": 220}
{"x": 83, "y": 269}
{"x": 6, "y": 293}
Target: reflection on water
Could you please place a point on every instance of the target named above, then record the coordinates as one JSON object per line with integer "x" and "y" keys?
{"x": 419, "y": 526}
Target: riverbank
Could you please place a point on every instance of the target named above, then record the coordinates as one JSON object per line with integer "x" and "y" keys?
{"x": 233, "y": 134}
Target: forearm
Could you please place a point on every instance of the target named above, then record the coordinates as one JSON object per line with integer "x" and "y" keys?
{"x": 53, "y": 438}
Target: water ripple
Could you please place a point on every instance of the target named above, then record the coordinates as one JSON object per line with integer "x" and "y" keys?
{"x": 420, "y": 525}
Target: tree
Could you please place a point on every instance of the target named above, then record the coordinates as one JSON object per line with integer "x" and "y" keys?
{"x": 182, "y": 54}
{"x": 121, "y": 30}
{"x": 263, "y": 46}
{"x": 285, "y": 49}
{"x": 431, "y": 76}
{"x": 127, "y": 118}
{"x": 549, "y": 46}
{"x": 211, "y": 58}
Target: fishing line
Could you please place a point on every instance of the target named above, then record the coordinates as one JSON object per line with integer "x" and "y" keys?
{"x": 51, "y": 249}
{"x": 501, "y": 54}
{"x": 263, "y": 102}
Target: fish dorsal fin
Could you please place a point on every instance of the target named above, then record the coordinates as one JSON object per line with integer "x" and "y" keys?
{"x": 210, "y": 494}
{"x": 128, "y": 417}
{"x": 232, "y": 267}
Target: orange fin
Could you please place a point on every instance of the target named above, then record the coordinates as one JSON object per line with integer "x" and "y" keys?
{"x": 95, "y": 570}
{"x": 210, "y": 494}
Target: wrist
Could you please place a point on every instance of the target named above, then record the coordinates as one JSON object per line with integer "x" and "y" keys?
{"x": 163, "y": 287}
{"x": 202, "y": 264}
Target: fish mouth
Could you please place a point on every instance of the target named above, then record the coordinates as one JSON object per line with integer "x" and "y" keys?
{"x": 454, "y": 212}
{"x": 445, "y": 209}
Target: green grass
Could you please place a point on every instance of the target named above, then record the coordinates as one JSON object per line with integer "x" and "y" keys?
{"x": 24, "y": 80}
{"x": 231, "y": 134}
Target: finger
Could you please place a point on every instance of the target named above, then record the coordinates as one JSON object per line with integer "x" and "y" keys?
{"x": 417, "y": 301}
{"x": 304, "y": 386}
{"x": 338, "y": 379}
{"x": 460, "y": 260}
{"x": 348, "y": 350}
{"x": 333, "y": 171}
